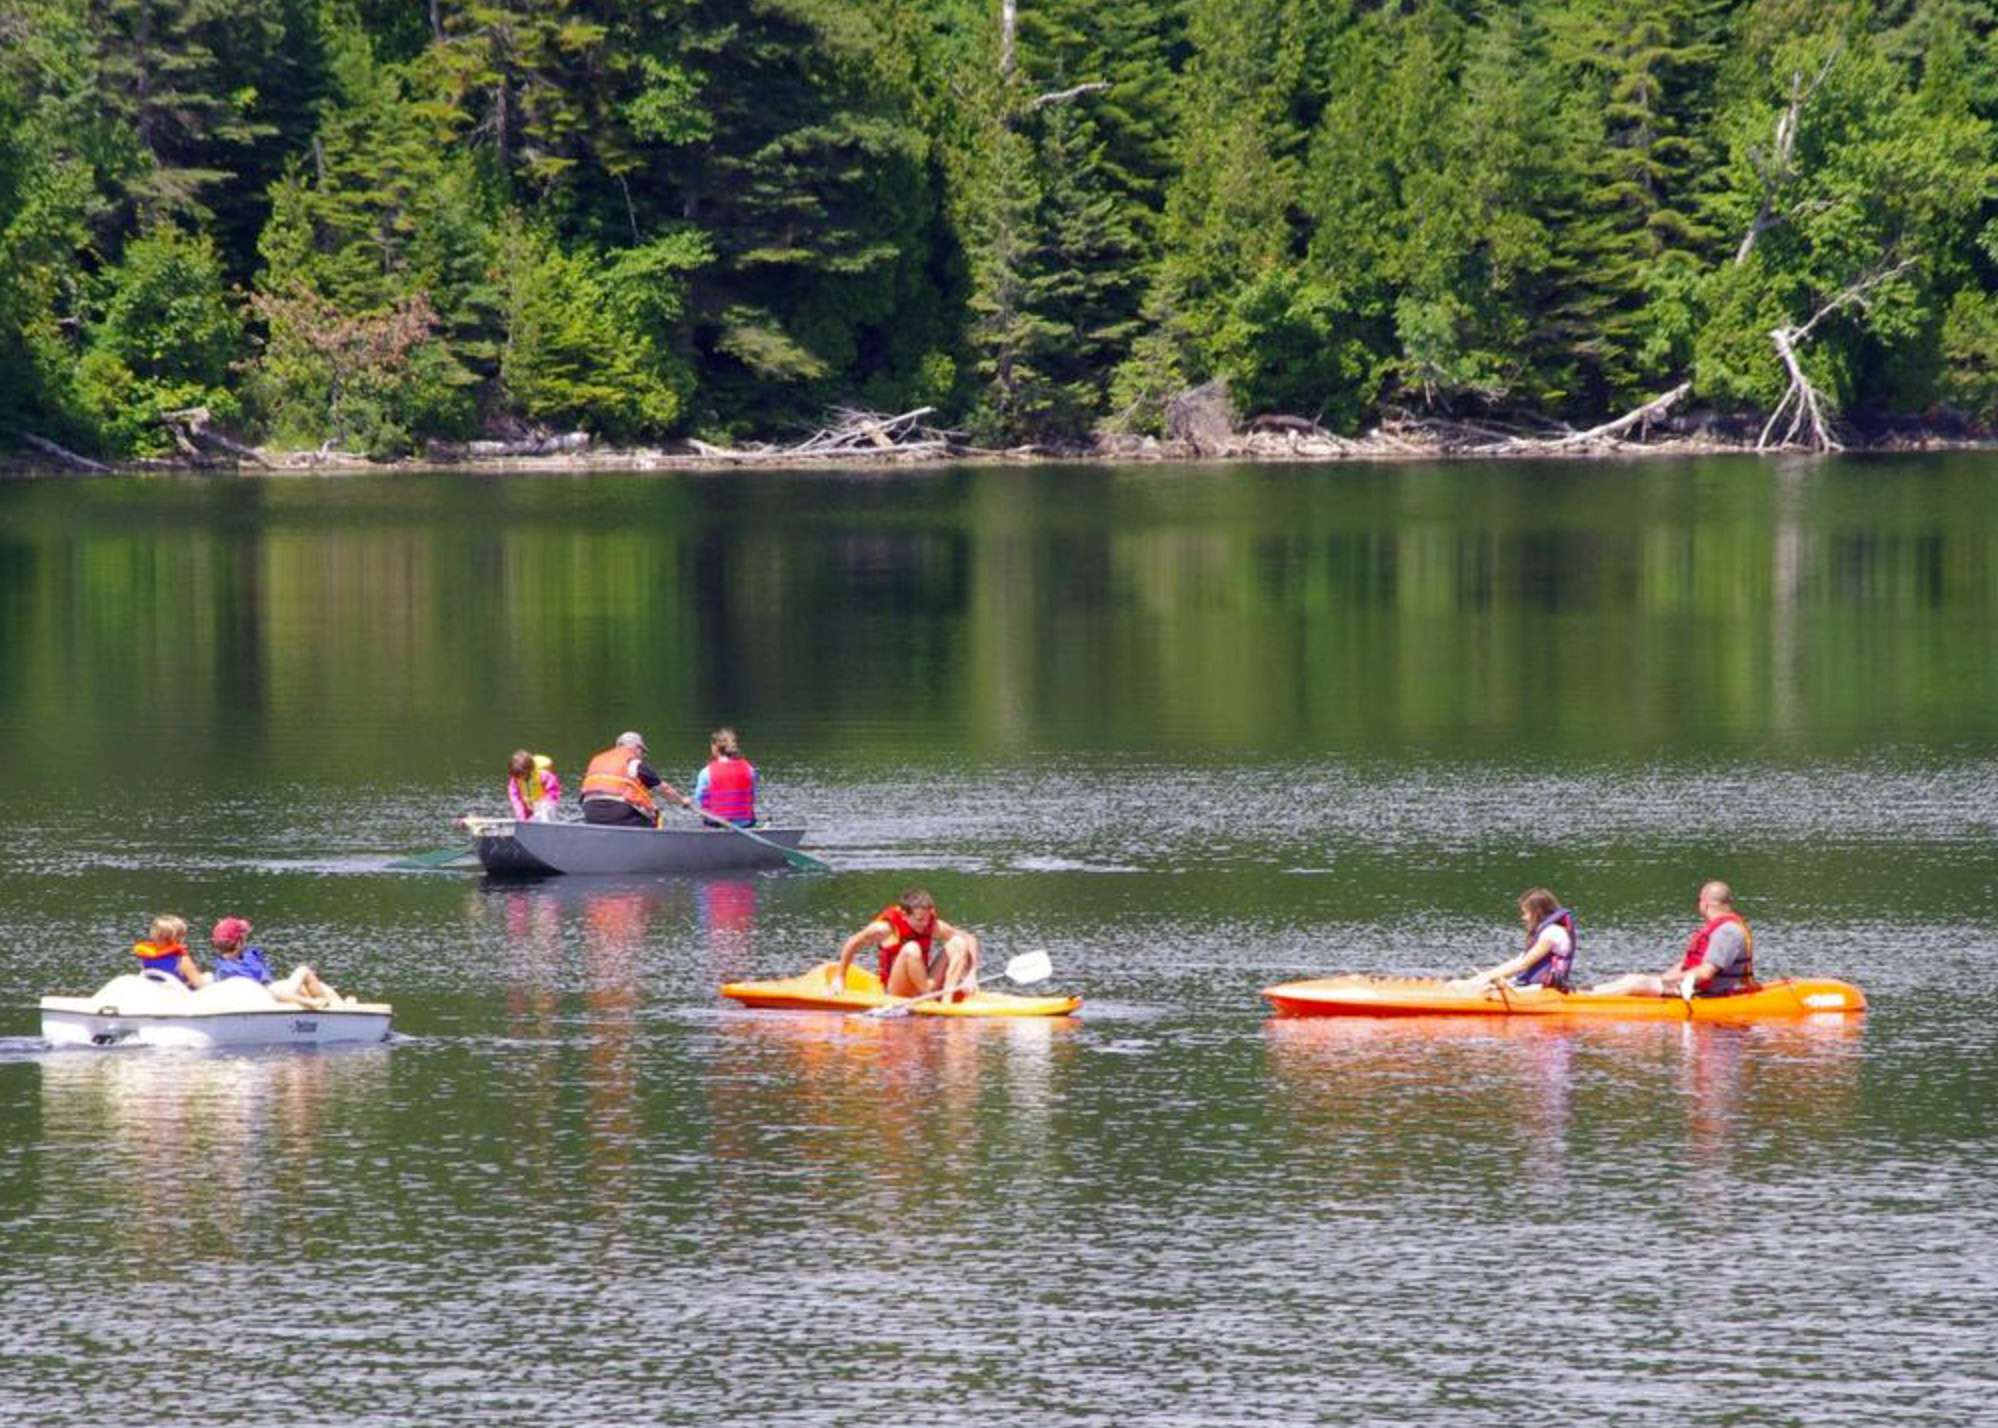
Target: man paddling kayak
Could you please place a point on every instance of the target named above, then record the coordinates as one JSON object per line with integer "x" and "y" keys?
{"x": 912, "y": 962}
{"x": 617, "y": 786}
{"x": 1719, "y": 958}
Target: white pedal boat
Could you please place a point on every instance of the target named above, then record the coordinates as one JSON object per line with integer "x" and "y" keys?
{"x": 156, "y": 1009}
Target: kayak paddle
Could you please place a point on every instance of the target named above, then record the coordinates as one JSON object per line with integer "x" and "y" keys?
{"x": 1023, "y": 970}
{"x": 791, "y": 855}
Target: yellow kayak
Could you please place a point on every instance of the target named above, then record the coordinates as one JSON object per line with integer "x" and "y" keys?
{"x": 809, "y": 991}
{"x": 1425, "y": 996}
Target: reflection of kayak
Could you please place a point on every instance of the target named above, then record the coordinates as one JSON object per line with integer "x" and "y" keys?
{"x": 1428, "y": 996}
{"x": 140, "y": 1010}
{"x": 808, "y": 992}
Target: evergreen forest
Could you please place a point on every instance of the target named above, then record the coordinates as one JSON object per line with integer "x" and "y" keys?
{"x": 366, "y": 225}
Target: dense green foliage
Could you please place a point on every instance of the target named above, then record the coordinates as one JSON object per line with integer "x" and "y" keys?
{"x": 367, "y": 225}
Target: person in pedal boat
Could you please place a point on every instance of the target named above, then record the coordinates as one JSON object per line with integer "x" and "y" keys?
{"x": 1550, "y": 948}
{"x": 726, "y": 788}
{"x": 1719, "y": 958}
{"x": 165, "y": 950}
{"x": 920, "y": 952}
{"x": 617, "y": 786}
{"x": 531, "y": 786}
{"x": 234, "y": 957}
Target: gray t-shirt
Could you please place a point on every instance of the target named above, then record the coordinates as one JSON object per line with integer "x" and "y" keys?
{"x": 1727, "y": 953}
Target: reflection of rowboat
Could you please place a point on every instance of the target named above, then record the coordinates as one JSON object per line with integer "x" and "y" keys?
{"x": 808, "y": 992}
{"x": 1426, "y": 996}
{"x": 141, "y": 1010}
{"x": 537, "y": 849}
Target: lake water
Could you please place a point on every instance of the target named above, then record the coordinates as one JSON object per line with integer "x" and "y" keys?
{"x": 1191, "y": 730}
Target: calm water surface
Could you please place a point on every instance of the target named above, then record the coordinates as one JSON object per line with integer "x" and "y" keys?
{"x": 1193, "y": 731}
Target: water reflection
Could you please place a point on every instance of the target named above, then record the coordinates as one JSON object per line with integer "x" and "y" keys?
{"x": 1714, "y": 1090}
{"x": 174, "y": 1155}
{"x": 875, "y": 1110}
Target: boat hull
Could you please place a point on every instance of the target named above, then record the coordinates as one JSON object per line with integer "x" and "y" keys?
{"x": 1786, "y": 999}
{"x": 515, "y": 849}
{"x": 139, "y": 1011}
{"x": 808, "y": 992}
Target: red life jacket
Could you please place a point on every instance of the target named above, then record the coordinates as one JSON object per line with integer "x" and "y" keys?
{"x": 900, "y": 936}
{"x": 731, "y": 792}
{"x": 607, "y": 778}
{"x": 1742, "y": 976}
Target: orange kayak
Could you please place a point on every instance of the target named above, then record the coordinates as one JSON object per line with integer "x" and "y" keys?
{"x": 808, "y": 991}
{"x": 1429, "y": 996}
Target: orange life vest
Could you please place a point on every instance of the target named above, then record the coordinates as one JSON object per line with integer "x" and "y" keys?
{"x": 162, "y": 959}
{"x": 607, "y": 777}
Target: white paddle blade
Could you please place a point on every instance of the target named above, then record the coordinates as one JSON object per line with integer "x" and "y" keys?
{"x": 1029, "y": 967}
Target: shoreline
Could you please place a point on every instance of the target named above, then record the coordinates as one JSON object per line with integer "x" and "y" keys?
{"x": 1246, "y": 449}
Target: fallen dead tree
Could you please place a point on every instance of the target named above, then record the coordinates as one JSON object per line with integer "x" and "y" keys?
{"x": 1197, "y": 426}
{"x": 62, "y": 453}
{"x": 852, "y": 435}
{"x": 194, "y": 432}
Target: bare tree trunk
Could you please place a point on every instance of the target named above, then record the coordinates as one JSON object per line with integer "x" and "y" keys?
{"x": 1801, "y": 402}
{"x": 1777, "y": 167}
{"x": 1009, "y": 29}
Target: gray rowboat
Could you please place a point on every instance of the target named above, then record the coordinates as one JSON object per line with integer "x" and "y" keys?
{"x": 537, "y": 849}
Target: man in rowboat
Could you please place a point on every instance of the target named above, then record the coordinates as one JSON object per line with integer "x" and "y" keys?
{"x": 617, "y": 786}
{"x": 1719, "y": 958}
{"x": 912, "y": 962}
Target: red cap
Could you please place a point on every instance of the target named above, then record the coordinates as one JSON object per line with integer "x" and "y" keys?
{"x": 229, "y": 931}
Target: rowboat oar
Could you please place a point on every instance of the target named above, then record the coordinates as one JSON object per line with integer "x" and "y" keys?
{"x": 1024, "y": 969}
{"x": 790, "y": 855}
{"x": 444, "y": 857}
{"x": 435, "y": 858}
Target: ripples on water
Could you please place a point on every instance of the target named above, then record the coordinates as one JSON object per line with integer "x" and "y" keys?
{"x": 581, "y": 1188}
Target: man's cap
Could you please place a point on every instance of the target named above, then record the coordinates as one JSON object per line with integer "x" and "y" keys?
{"x": 632, "y": 739}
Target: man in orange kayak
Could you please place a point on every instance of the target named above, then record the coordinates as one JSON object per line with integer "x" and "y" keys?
{"x": 617, "y": 786}
{"x": 913, "y": 964}
{"x": 1719, "y": 958}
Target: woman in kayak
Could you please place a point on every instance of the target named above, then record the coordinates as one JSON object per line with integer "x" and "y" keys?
{"x": 532, "y": 789}
{"x": 1550, "y": 947}
{"x": 234, "y": 957}
{"x": 913, "y": 964}
{"x": 165, "y": 950}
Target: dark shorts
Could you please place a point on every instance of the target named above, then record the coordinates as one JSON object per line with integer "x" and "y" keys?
{"x": 614, "y": 813}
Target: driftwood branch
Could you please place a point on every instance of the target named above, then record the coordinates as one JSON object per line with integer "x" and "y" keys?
{"x": 62, "y": 453}
{"x": 1062, "y": 96}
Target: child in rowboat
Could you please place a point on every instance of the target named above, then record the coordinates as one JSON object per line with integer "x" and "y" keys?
{"x": 235, "y": 958}
{"x": 532, "y": 790}
{"x": 1550, "y": 948}
{"x": 165, "y": 950}
{"x": 912, "y": 962}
